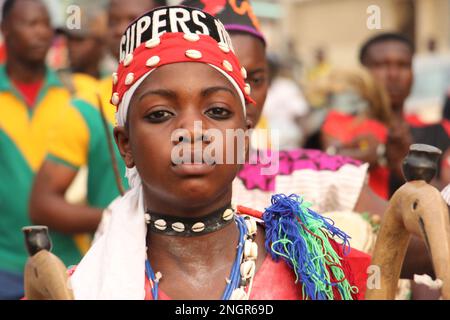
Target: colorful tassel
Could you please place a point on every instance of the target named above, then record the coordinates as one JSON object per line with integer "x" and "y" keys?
{"x": 301, "y": 237}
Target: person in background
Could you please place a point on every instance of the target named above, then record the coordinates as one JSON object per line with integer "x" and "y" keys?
{"x": 31, "y": 98}
{"x": 321, "y": 68}
{"x": 357, "y": 123}
{"x": 85, "y": 45}
{"x": 86, "y": 50}
{"x": 388, "y": 57}
{"x": 285, "y": 93}
{"x": 81, "y": 139}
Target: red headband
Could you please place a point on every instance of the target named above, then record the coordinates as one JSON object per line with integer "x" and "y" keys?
{"x": 172, "y": 48}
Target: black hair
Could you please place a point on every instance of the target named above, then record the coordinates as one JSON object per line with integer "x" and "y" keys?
{"x": 7, "y": 8}
{"x": 383, "y": 37}
{"x": 160, "y": 3}
{"x": 8, "y": 5}
{"x": 157, "y": 3}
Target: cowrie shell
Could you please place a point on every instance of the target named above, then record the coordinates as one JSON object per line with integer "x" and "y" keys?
{"x": 115, "y": 99}
{"x": 254, "y": 251}
{"x": 178, "y": 226}
{"x": 247, "y": 248}
{"x": 153, "y": 61}
{"x": 247, "y": 89}
{"x": 224, "y": 47}
{"x": 149, "y": 44}
{"x": 244, "y": 73}
{"x": 128, "y": 59}
{"x": 227, "y": 215}
{"x": 193, "y": 54}
{"x": 158, "y": 276}
{"x": 248, "y": 269}
{"x": 198, "y": 227}
{"x": 251, "y": 226}
{"x": 239, "y": 294}
{"x": 129, "y": 79}
{"x": 227, "y": 65}
{"x": 160, "y": 224}
{"x": 147, "y": 218}
{"x": 115, "y": 78}
{"x": 193, "y": 37}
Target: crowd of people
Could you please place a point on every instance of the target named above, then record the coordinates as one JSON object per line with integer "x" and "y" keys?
{"x": 85, "y": 149}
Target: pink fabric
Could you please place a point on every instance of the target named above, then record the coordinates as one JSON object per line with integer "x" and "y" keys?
{"x": 290, "y": 161}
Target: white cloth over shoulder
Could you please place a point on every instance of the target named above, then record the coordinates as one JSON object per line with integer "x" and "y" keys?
{"x": 114, "y": 267}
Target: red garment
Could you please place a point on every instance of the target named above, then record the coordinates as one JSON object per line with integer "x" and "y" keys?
{"x": 2, "y": 53}
{"x": 345, "y": 128}
{"x": 414, "y": 121}
{"x": 29, "y": 91}
{"x": 276, "y": 280}
{"x": 379, "y": 181}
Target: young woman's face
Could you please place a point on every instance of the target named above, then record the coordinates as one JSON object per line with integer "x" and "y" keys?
{"x": 171, "y": 98}
{"x": 252, "y": 56}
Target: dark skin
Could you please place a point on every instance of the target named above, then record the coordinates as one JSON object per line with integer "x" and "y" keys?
{"x": 28, "y": 36}
{"x": 49, "y": 207}
{"x": 120, "y": 14}
{"x": 47, "y": 203}
{"x": 390, "y": 63}
{"x": 250, "y": 52}
{"x": 85, "y": 54}
{"x": 173, "y": 97}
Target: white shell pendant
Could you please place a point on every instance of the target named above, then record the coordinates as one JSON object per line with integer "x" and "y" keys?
{"x": 128, "y": 59}
{"x": 115, "y": 99}
{"x": 254, "y": 251}
{"x": 198, "y": 227}
{"x": 248, "y": 89}
{"x": 147, "y": 218}
{"x": 193, "y": 54}
{"x": 160, "y": 224}
{"x": 251, "y": 226}
{"x": 152, "y": 43}
{"x": 192, "y": 37}
{"x": 247, "y": 248}
{"x": 244, "y": 73}
{"x": 224, "y": 47}
{"x": 239, "y": 294}
{"x": 250, "y": 250}
{"x": 115, "y": 78}
{"x": 227, "y": 215}
{"x": 178, "y": 226}
{"x": 153, "y": 61}
{"x": 227, "y": 65}
{"x": 248, "y": 269}
{"x": 129, "y": 79}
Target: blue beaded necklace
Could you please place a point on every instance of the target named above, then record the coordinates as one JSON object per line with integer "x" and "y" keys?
{"x": 235, "y": 270}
